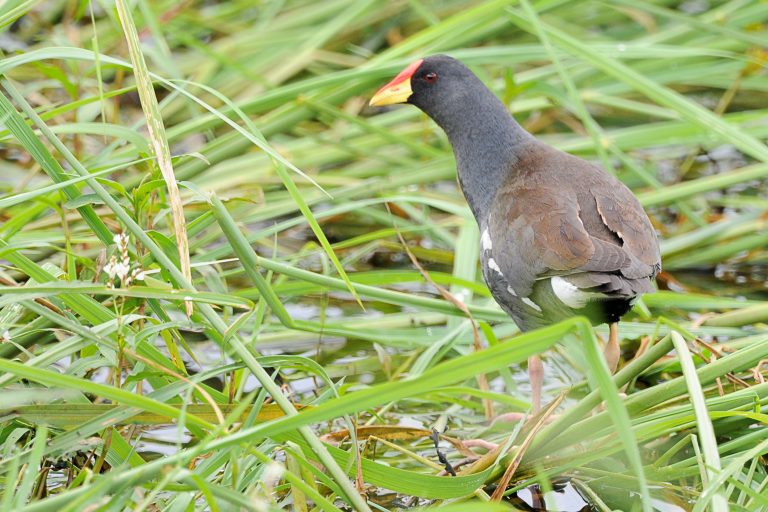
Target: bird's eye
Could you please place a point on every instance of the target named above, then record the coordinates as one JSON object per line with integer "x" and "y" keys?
{"x": 430, "y": 77}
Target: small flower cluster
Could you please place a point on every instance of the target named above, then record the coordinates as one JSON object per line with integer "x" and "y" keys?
{"x": 120, "y": 267}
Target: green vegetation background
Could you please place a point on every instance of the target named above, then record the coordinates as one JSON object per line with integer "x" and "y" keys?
{"x": 204, "y": 225}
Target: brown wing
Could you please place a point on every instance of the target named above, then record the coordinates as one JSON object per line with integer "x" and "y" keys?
{"x": 536, "y": 232}
{"x": 621, "y": 212}
{"x": 593, "y": 225}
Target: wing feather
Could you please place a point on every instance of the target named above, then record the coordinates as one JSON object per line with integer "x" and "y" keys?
{"x": 591, "y": 228}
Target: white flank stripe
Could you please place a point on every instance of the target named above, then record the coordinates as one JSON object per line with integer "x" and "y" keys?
{"x": 570, "y": 295}
{"x": 485, "y": 241}
{"x": 532, "y": 304}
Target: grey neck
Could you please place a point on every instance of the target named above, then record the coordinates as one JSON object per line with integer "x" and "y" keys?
{"x": 487, "y": 143}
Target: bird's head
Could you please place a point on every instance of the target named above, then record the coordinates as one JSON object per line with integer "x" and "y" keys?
{"x": 430, "y": 84}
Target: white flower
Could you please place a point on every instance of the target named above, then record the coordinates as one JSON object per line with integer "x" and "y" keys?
{"x": 109, "y": 268}
{"x": 120, "y": 239}
{"x": 117, "y": 270}
{"x": 119, "y": 266}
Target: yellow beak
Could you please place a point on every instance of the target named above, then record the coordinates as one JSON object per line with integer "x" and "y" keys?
{"x": 391, "y": 94}
{"x": 399, "y": 89}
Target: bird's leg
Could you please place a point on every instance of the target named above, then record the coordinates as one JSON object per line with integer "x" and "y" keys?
{"x": 536, "y": 375}
{"x": 612, "y": 349}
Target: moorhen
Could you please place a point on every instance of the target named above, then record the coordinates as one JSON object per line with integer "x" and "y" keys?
{"x": 559, "y": 236}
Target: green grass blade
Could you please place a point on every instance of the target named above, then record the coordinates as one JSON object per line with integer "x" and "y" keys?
{"x": 703, "y": 422}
